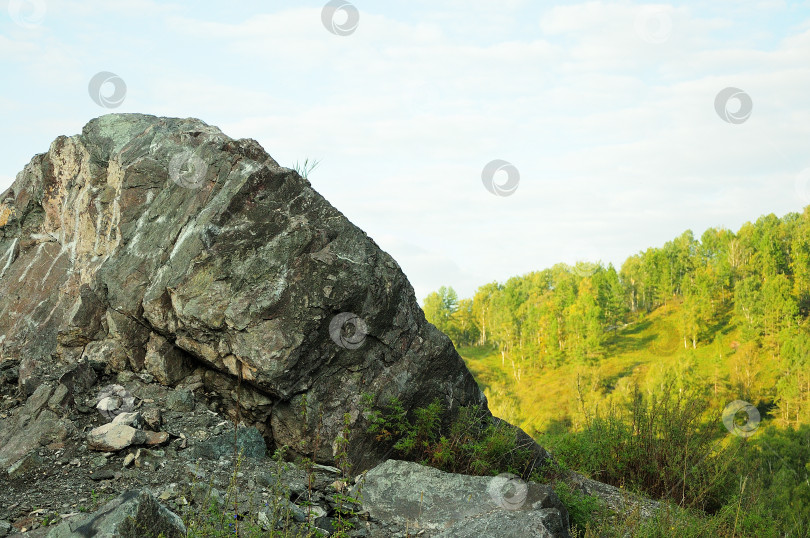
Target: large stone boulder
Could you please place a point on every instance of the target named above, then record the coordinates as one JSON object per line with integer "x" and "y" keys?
{"x": 133, "y": 514}
{"x": 419, "y": 498}
{"x": 163, "y": 245}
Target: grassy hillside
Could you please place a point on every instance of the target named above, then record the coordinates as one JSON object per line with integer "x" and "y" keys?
{"x": 684, "y": 375}
{"x": 733, "y": 487}
{"x": 647, "y": 353}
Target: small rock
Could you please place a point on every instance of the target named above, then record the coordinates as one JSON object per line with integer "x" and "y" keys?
{"x": 156, "y": 438}
{"x": 181, "y": 400}
{"x": 128, "y": 459}
{"x": 114, "y": 400}
{"x": 99, "y": 461}
{"x": 133, "y": 419}
{"x": 325, "y": 468}
{"x": 325, "y": 523}
{"x": 170, "y": 492}
{"x": 79, "y": 378}
{"x": 113, "y": 437}
{"x": 109, "y": 404}
{"x": 152, "y": 418}
{"x": 103, "y": 474}
{"x": 146, "y": 378}
{"x": 264, "y": 521}
{"x": 317, "y": 512}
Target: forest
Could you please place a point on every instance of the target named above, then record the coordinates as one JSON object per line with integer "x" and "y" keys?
{"x": 569, "y": 351}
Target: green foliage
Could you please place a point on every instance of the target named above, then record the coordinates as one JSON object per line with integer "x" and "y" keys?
{"x": 584, "y": 511}
{"x": 746, "y": 294}
{"x": 661, "y": 447}
{"x": 472, "y": 443}
{"x": 306, "y": 167}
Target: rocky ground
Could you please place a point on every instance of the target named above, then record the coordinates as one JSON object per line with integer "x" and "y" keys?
{"x": 85, "y": 436}
{"x": 193, "y": 459}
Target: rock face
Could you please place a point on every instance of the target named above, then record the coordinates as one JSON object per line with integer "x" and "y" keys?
{"x": 161, "y": 245}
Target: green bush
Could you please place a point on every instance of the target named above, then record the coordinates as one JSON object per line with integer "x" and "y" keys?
{"x": 473, "y": 443}
{"x": 662, "y": 446}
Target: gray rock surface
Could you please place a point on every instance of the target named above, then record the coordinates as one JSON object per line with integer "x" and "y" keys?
{"x": 156, "y": 244}
{"x": 249, "y": 443}
{"x": 113, "y": 436}
{"x": 423, "y": 498}
{"x": 133, "y": 514}
{"x": 33, "y": 426}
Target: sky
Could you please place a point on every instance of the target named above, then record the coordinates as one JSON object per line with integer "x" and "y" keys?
{"x": 472, "y": 140}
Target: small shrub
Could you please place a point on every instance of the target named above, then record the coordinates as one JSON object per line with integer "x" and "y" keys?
{"x": 472, "y": 444}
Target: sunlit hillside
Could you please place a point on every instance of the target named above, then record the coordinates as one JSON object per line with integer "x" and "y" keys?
{"x": 684, "y": 375}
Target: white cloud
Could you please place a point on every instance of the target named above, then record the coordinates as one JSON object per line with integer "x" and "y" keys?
{"x": 615, "y": 135}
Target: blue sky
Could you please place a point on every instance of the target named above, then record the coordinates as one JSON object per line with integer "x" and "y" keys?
{"x": 606, "y": 109}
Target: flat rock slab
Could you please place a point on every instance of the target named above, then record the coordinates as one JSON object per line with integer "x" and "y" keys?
{"x": 456, "y": 505}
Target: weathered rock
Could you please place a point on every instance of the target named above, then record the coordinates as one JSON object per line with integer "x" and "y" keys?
{"x": 111, "y": 437}
{"x": 32, "y": 427}
{"x": 237, "y": 262}
{"x": 249, "y": 443}
{"x": 30, "y": 461}
{"x": 165, "y": 361}
{"x": 181, "y": 400}
{"x": 155, "y": 438}
{"x": 9, "y": 371}
{"x": 133, "y": 514}
{"x": 129, "y": 459}
{"x": 617, "y": 500}
{"x": 133, "y": 419}
{"x": 102, "y": 474}
{"x": 422, "y": 497}
{"x": 79, "y": 378}
{"x": 152, "y": 417}
{"x": 60, "y": 398}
